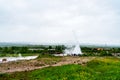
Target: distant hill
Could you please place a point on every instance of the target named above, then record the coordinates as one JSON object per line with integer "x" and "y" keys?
{"x": 8, "y": 44}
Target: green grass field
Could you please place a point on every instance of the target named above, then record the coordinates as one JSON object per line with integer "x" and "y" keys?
{"x": 101, "y": 68}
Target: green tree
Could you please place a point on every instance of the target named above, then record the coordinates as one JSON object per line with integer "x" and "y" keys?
{"x": 23, "y": 49}
{"x": 5, "y": 50}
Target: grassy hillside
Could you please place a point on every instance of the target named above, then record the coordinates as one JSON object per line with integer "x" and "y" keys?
{"x": 97, "y": 69}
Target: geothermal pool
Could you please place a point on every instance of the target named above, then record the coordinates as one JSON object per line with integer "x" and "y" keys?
{"x": 8, "y": 59}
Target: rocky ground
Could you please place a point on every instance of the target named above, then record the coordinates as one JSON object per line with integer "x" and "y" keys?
{"x": 26, "y": 65}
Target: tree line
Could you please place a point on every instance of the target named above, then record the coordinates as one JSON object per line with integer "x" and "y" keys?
{"x": 57, "y": 49}
{"x": 32, "y": 49}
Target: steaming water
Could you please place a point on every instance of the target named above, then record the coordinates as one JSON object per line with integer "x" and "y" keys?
{"x": 17, "y": 58}
{"x": 76, "y": 50}
{"x": 19, "y": 55}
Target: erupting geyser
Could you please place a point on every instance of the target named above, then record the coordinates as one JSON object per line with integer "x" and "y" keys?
{"x": 74, "y": 50}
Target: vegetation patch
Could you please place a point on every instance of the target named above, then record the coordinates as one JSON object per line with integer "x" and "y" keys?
{"x": 102, "y": 68}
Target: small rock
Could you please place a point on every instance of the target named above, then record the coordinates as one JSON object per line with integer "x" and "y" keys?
{"x": 4, "y": 60}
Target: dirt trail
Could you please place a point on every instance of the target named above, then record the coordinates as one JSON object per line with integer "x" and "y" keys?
{"x": 36, "y": 64}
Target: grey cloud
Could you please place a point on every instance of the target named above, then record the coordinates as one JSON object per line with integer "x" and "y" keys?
{"x": 54, "y": 20}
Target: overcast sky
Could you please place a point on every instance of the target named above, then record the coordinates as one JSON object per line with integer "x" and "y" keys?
{"x": 54, "y": 21}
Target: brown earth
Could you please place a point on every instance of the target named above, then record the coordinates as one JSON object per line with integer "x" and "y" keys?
{"x": 26, "y": 65}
